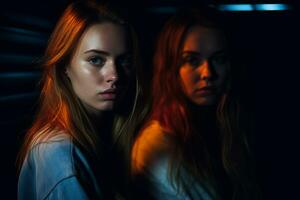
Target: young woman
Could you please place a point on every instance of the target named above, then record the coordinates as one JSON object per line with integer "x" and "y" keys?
{"x": 193, "y": 145}
{"x": 77, "y": 146}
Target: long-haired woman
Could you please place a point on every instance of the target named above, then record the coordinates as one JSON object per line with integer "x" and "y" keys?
{"x": 193, "y": 145}
{"x": 77, "y": 145}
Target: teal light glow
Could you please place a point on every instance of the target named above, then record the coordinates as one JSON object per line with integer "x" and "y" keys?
{"x": 254, "y": 7}
{"x": 236, "y": 7}
{"x": 272, "y": 7}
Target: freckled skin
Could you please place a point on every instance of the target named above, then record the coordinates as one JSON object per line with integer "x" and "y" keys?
{"x": 88, "y": 77}
{"x": 209, "y": 70}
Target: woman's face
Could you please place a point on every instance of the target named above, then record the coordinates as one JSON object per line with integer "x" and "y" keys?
{"x": 100, "y": 67}
{"x": 204, "y": 67}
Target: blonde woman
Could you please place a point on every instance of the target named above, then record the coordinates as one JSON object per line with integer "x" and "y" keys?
{"x": 77, "y": 145}
{"x": 193, "y": 145}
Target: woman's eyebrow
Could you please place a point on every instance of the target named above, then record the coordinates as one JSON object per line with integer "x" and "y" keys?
{"x": 191, "y": 52}
{"x": 97, "y": 51}
{"x": 198, "y": 53}
{"x": 105, "y": 53}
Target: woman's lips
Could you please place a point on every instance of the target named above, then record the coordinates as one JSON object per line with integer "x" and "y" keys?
{"x": 205, "y": 91}
{"x": 113, "y": 93}
{"x": 108, "y": 95}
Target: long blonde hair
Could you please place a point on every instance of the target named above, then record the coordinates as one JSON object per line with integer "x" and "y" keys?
{"x": 175, "y": 114}
{"x": 60, "y": 109}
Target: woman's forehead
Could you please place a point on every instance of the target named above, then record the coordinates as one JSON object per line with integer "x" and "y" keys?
{"x": 107, "y": 37}
{"x": 200, "y": 38}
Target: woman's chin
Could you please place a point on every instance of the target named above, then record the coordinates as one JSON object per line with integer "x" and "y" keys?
{"x": 205, "y": 101}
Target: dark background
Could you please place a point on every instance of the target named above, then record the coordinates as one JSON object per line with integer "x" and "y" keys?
{"x": 268, "y": 41}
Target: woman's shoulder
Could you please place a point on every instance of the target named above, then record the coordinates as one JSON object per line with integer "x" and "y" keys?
{"x": 151, "y": 156}
{"x": 49, "y": 162}
{"x": 53, "y": 154}
{"x": 152, "y": 134}
{"x": 151, "y": 145}
{"x": 54, "y": 165}
{"x": 151, "y": 130}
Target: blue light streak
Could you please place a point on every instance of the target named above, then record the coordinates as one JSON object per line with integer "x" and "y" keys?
{"x": 254, "y": 7}
{"x": 236, "y": 7}
{"x": 272, "y": 7}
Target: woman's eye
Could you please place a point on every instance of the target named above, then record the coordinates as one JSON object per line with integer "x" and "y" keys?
{"x": 97, "y": 61}
{"x": 193, "y": 60}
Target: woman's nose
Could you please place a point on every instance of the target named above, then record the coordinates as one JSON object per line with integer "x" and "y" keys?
{"x": 112, "y": 74}
{"x": 205, "y": 71}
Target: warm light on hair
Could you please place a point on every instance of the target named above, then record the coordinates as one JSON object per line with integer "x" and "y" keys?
{"x": 175, "y": 114}
{"x": 60, "y": 109}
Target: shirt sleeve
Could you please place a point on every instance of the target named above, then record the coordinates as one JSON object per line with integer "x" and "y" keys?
{"x": 158, "y": 184}
{"x": 161, "y": 188}
{"x": 151, "y": 156}
{"x": 67, "y": 189}
{"x": 49, "y": 172}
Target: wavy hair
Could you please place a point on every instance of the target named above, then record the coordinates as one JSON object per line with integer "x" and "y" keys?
{"x": 177, "y": 116}
{"x": 59, "y": 108}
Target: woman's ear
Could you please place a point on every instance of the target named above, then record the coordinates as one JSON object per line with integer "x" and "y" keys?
{"x": 66, "y": 71}
{"x": 67, "y": 68}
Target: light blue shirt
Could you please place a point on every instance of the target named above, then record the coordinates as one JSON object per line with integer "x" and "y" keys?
{"x": 57, "y": 169}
